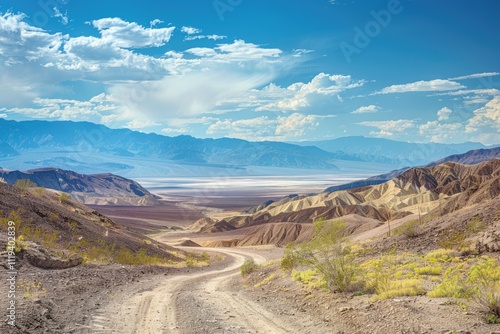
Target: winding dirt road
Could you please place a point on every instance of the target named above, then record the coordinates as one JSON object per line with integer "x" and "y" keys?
{"x": 194, "y": 303}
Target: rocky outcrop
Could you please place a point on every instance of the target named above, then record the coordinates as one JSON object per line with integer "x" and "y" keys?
{"x": 41, "y": 257}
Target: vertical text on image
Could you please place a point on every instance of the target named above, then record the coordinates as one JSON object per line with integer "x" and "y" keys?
{"x": 11, "y": 273}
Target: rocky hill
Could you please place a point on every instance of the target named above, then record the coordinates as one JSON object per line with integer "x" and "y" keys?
{"x": 59, "y": 234}
{"x": 469, "y": 158}
{"x": 443, "y": 189}
{"x": 88, "y": 189}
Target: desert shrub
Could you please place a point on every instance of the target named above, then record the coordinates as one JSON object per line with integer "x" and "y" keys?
{"x": 39, "y": 191}
{"x": 410, "y": 229}
{"x": 265, "y": 280}
{"x": 192, "y": 259}
{"x": 452, "y": 284}
{"x": 248, "y": 267}
{"x": 328, "y": 254}
{"x": 429, "y": 270}
{"x": 24, "y": 184}
{"x": 457, "y": 239}
{"x": 64, "y": 198}
{"x": 484, "y": 279}
{"x": 441, "y": 255}
{"x": 406, "y": 287}
{"x": 310, "y": 277}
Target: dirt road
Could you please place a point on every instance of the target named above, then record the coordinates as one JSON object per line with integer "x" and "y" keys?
{"x": 206, "y": 302}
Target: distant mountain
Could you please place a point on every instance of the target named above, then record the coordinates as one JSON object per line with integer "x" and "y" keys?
{"x": 75, "y": 138}
{"x": 386, "y": 150}
{"x": 468, "y": 158}
{"x": 7, "y": 151}
{"x": 471, "y": 157}
{"x": 88, "y": 189}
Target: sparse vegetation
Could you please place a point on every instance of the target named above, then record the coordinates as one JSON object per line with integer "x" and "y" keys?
{"x": 329, "y": 254}
{"x": 193, "y": 259}
{"x": 410, "y": 229}
{"x": 265, "y": 280}
{"x": 64, "y": 198}
{"x": 248, "y": 267}
{"x": 31, "y": 290}
{"x": 24, "y": 184}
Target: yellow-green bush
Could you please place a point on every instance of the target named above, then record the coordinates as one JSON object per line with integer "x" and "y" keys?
{"x": 406, "y": 287}
{"x": 310, "y": 277}
{"x": 265, "y": 280}
{"x": 429, "y": 270}
{"x": 248, "y": 267}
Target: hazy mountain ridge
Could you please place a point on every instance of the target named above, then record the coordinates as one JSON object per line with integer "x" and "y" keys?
{"x": 88, "y": 189}
{"x": 386, "y": 150}
{"x": 467, "y": 158}
{"x": 98, "y": 139}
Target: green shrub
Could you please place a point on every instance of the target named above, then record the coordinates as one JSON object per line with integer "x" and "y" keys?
{"x": 484, "y": 279}
{"x": 429, "y": 270}
{"x": 248, "y": 267}
{"x": 64, "y": 198}
{"x": 24, "y": 184}
{"x": 406, "y": 287}
{"x": 328, "y": 254}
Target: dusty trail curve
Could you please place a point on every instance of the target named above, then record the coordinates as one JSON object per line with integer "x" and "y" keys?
{"x": 192, "y": 303}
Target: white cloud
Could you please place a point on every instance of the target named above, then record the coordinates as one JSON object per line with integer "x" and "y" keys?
{"x": 155, "y": 22}
{"x": 486, "y": 120}
{"x": 180, "y": 122}
{"x": 444, "y": 114}
{"x": 141, "y": 124}
{"x": 299, "y": 95}
{"x": 366, "y": 109}
{"x": 95, "y": 109}
{"x": 263, "y": 128}
{"x": 389, "y": 128}
{"x": 64, "y": 17}
{"x": 190, "y": 30}
{"x": 422, "y": 86}
{"x": 118, "y": 32}
{"x": 442, "y": 132}
{"x": 212, "y": 37}
{"x": 3, "y": 115}
{"x": 476, "y": 76}
{"x": 175, "y": 130}
{"x": 295, "y": 125}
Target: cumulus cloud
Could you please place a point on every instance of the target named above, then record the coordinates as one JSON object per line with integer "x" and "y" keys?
{"x": 442, "y": 132}
{"x": 118, "y": 32}
{"x": 422, "y": 86}
{"x": 486, "y": 120}
{"x": 190, "y": 30}
{"x": 366, "y": 109}
{"x": 264, "y": 128}
{"x": 444, "y": 114}
{"x": 391, "y": 127}
{"x": 299, "y": 95}
{"x": 93, "y": 110}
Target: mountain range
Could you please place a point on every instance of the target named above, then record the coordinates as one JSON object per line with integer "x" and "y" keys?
{"x": 390, "y": 151}
{"x": 91, "y": 148}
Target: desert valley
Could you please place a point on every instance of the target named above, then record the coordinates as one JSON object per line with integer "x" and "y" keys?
{"x": 229, "y": 254}
{"x": 230, "y": 166}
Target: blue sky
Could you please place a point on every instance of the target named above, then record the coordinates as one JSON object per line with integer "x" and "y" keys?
{"x": 419, "y": 71}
